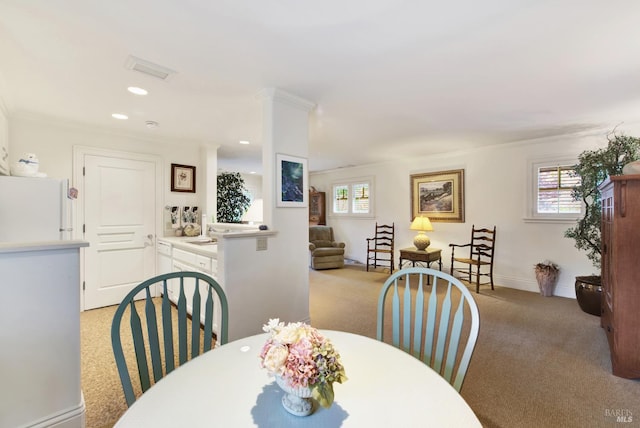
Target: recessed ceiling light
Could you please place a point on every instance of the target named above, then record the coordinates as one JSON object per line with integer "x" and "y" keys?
{"x": 137, "y": 91}
{"x": 244, "y": 142}
{"x": 252, "y": 172}
{"x": 151, "y": 124}
{"x": 120, "y": 116}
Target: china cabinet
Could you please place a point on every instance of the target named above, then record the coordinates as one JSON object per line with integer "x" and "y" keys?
{"x": 620, "y": 273}
{"x": 317, "y": 209}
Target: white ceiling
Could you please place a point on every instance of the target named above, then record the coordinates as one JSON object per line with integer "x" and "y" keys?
{"x": 390, "y": 78}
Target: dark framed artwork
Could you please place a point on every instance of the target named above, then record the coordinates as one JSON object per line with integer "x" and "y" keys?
{"x": 291, "y": 181}
{"x": 183, "y": 178}
{"x": 438, "y": 195}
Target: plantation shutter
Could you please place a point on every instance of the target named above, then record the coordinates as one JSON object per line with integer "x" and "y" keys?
{"x": 361, "y": 198}
{"x": 341, "y": 199}
{"x": 555, "y": 185}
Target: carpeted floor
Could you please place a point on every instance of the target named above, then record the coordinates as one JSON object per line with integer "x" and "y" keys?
{"x": 539, "y": 361}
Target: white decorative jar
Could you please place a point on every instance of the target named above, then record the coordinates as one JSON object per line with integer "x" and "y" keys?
{"x": 296, "y": 401}
{"x": 631, "y": 168}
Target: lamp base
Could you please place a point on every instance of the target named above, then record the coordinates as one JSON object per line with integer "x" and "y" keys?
{"x": 421, "y": 241}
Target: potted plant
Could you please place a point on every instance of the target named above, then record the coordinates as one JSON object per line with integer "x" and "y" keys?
{"x": 547, "y": 276}
{"x": 233, "y": 198}
{"x": 593, "y": 167}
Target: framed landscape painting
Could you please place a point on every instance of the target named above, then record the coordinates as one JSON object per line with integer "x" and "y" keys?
{"x": 291, "y": 181}
{"x": 438, "y": 195}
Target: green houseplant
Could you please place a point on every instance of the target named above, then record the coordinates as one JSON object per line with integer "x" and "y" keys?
{"x": 593, "y": 167}
{"x": 233, "y": 198}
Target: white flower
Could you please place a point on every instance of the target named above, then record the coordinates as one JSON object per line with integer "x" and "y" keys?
{"x": 290, "y": 333}
{"x": 275, "y": 358}
{"x": 274, "y": 324}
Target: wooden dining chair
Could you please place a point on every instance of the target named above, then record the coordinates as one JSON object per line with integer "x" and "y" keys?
{"x": 433, "y": 317}
{"x": 155, "y": 341}
{"x": 479, "y": 263}
{"x": 381, "y": 246}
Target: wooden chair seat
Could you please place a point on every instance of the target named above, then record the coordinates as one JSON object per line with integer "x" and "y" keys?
{"x": 471, "y": 261}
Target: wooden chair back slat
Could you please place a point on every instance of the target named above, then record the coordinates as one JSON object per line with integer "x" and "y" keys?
{"x": 195, "y": 317}
{"x": 182, "y": 324}
{"x": 167, "y": 328}
{"x": 152, "y": 334}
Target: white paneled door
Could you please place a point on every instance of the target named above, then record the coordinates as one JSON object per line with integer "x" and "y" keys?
{"x": 119, "y": 219}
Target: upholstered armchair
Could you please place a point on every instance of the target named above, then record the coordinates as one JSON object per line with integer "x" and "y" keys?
{"x": 325, "y": 252}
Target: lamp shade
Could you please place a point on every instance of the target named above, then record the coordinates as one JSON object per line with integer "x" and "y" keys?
{"x": 421, "y": 223}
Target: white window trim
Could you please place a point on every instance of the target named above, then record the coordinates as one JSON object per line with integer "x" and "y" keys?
{"x": 532, "y": 216}
{"x": 350, "y": 182}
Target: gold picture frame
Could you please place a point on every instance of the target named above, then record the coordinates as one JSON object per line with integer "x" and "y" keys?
{"x": 183, "y": 178}
{"x": 438, "y": 195}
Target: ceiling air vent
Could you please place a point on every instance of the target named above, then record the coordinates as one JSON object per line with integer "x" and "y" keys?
{"x": 148, "y": 68}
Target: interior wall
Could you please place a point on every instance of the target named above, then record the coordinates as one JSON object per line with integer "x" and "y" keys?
{"x": 53, "y": 142}
{"x": 495, "y": 194}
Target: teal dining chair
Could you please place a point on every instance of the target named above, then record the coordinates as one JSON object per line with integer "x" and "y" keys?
{"x": 150, "y": 336}
{"x": 433, "y": 317}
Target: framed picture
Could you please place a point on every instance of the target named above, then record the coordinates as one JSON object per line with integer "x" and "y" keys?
{"x": 438, "y": 195}
{"x": 291, "y": 181}
{"x": 183, "y": 178}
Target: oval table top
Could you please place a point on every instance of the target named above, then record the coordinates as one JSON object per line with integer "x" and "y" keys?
{"x": 226, "y": 387}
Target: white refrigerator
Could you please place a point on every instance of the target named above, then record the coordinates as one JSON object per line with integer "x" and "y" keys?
{"x": 35, "y": 209}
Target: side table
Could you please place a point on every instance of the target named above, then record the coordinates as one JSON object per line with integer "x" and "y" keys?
{"x": 427, "y": 256}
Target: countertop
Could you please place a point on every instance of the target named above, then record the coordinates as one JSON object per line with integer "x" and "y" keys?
{"x": 14, "y": 247}
{"x": 183, "y": 242}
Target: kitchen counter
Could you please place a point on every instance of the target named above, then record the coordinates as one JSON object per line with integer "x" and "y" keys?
{"x": 13, "y": 247}
{"x": 209, "y": 249}
{"x": 184, "y": 243}
{"x": 237, "y": 261}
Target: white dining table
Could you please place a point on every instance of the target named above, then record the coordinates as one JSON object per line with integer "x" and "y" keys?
{"x": 226, "y": 387}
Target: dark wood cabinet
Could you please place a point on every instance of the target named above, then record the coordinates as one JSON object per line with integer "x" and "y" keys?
{"x": 317, "y": 209}
{"x": 621, "y": 272}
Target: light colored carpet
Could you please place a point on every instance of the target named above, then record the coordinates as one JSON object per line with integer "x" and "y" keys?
{"x": 539, "y": 361}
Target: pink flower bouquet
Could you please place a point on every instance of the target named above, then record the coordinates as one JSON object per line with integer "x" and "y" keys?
{"x": 302, "y": 357}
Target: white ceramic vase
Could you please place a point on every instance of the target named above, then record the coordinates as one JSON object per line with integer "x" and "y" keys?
{"x": 631, "y": 168}
{"x": 296, "y": 401}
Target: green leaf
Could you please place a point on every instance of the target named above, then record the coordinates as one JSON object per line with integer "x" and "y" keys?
{"x": 233, "y": 198}
{"x": 323, "y": 393}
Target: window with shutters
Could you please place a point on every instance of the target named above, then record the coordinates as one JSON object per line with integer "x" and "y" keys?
{"x": 555, "y": 184}
{"x": 353, "y": 198}
{"x": 550, "y": 194}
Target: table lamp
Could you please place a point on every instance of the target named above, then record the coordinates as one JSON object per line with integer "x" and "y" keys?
{"x": 422, "y": 224}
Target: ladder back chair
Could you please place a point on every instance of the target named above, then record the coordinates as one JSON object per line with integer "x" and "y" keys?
{"x": 480, "y": 260}
{"x": 431, "y": 322}
{"x": 153, "y": 324}
{"x": 380, "y": 248}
